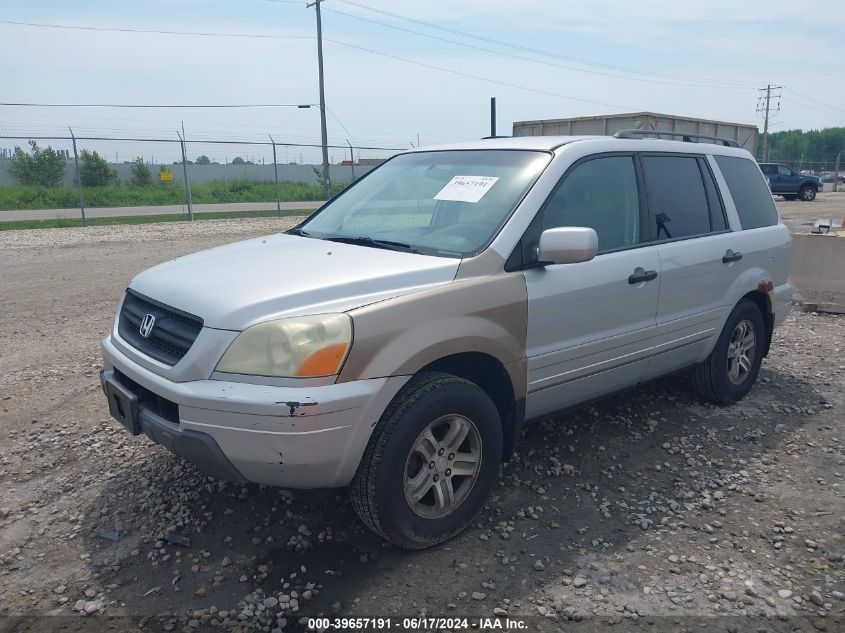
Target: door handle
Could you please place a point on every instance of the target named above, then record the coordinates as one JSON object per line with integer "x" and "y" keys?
{"x": 731, "y": 256}
{"x": 640, "y": 275}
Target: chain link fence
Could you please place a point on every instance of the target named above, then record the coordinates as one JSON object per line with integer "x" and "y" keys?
{"x": 82, "y": 177}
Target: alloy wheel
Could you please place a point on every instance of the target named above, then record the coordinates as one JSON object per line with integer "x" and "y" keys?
{"x": 442, "y": 467}
{"x": 741, "y": 351}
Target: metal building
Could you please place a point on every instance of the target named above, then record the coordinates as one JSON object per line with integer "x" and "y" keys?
{"x": 608, "y": 125}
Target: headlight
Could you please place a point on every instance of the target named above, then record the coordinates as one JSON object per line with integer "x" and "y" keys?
{"x": 298, "y": 347}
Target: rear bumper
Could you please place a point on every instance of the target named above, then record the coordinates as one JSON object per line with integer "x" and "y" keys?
{"x": 781, "y": 302}
{"x": 294, "y": 437}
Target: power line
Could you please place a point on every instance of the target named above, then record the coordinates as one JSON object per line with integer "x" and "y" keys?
{"x": 159, "y": 105}
{"x": 76, "y": 27}
{"x": 336, "y": 118}
{"x": 478, "y": 77}
{"x": 687, "y": 83}
{"x": 809, "y": 106}
{"x": 338, "y": 42}
{"x": 545, "y": 53}
{"x": 816, "y": 101}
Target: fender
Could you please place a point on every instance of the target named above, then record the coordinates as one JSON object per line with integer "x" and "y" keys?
{"x": 400, "y": 336}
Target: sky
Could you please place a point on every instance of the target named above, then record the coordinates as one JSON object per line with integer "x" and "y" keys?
{"x": 408, "y": 71}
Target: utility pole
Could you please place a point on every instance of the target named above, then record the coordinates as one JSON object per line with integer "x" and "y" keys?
{"x": 493, "y": 117}
{"x": 185, "y": 171}
{"x": 276, "y": 177}
{"x": 766, "y": 107}
{"x": 327, "y": 187}
{"x": 351, "y": 160}
{"x": 79, "y": 176}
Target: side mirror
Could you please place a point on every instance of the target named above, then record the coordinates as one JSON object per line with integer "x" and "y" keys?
{"x": 567, "y": 245}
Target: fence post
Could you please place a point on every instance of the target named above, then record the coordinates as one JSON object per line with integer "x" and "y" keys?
{"x": 185, "y": 174}
{"x": 276, "y": 177}
{"x": 78, "y": 177}
{"x": 351, "y": 160}
{"x": 836, "y": 173}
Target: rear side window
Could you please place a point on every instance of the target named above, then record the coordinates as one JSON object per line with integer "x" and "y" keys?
{"x": 749, "y": 191}
{"x": 676, "y": 197}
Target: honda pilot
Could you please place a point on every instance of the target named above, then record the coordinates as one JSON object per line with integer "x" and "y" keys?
{"x": 395, "y": 341}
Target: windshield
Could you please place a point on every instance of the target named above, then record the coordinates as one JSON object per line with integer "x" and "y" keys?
{"x": 445, "y": 203}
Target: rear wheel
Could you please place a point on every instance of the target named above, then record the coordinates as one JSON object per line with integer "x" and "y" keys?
{"x": 430, "y": 463}
{"x": 807, "y": 193}
{"x": 732, "y": 367}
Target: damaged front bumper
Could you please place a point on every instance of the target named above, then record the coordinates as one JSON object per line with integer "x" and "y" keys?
{"x": 294, "y": 437}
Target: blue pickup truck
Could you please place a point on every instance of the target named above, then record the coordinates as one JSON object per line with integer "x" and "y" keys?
{"x": 786, "y": 182}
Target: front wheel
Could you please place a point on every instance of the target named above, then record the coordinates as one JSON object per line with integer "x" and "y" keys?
{"x": 807, "y": 193}
{"x": 432, "y": 460}
{"x": 732, "y": 367}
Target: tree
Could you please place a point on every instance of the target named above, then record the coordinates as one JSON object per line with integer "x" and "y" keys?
{"x": 318, "y": 175}
{"x": 812, "y": 146}
{"x": 95, "y": 170}
{"x": 44, "y": 167}
{"x": 203, "y": 160}
{"x": 140, "y": 173}
{"x": 237, "y": 160}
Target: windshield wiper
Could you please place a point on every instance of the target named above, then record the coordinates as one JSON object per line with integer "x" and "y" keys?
{"x": 298, "y": 231}
{"x": 368, "y": 241}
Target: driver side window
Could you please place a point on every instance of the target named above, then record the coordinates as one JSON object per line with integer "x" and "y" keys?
{"x": 600, "y": 194}
{"x": 783, "y": 170}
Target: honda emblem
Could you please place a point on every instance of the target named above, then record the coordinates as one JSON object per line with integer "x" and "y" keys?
{"x": 147, "y": 325}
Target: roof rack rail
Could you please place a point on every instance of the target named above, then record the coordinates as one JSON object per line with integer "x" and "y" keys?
{"x": 487, "y": 138}
{"x": 685, "y": 136}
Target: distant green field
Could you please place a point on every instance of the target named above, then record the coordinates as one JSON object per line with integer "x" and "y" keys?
{"x": 60, "y": 223}
{"x": 34, "y": 197}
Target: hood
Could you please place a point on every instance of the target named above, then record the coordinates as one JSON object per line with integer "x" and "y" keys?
{"x": 237, "y": 285}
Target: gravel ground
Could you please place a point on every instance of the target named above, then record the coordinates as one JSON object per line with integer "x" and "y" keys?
{"x": 648, "y": 507}
{"x": 801, "y": 216}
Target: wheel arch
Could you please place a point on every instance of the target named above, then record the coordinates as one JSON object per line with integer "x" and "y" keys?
{"x": 492, "y": 376}
{"x": 764, "y": 302}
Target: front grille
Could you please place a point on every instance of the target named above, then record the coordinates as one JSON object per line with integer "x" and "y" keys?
{"x": 162, "y": 407}
{"x": 172, "y": 334}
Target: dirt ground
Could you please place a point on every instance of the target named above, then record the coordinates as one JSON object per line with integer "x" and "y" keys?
{"x": 647, "y": 508}
{"x": 801, "y": 216}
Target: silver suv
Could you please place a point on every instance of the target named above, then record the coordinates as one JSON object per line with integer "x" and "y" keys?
{"x": 396, "y": 340}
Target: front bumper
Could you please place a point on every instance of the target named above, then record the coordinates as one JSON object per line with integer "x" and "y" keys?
{"x": 294, "y": 437}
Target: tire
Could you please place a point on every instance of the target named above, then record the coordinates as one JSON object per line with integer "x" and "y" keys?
{"x": 384, "y": 489}
{"x": 717, "y": 378}
{"x": 790, "y": 196}
{"x": 807, "y": 193}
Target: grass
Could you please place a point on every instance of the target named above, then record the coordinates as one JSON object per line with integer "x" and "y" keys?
{"x": 34, "y": 197}
{"x": 61, "y": 223}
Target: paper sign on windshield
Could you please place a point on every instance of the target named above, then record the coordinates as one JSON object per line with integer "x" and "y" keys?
{"x": 466, "y": 188}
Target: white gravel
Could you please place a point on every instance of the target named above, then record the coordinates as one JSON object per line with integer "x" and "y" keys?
{"x": 647, "y": 504}
{"x": 140, "y": 233}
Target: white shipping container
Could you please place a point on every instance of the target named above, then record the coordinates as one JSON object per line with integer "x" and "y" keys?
{"x": 745, "y": 135}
